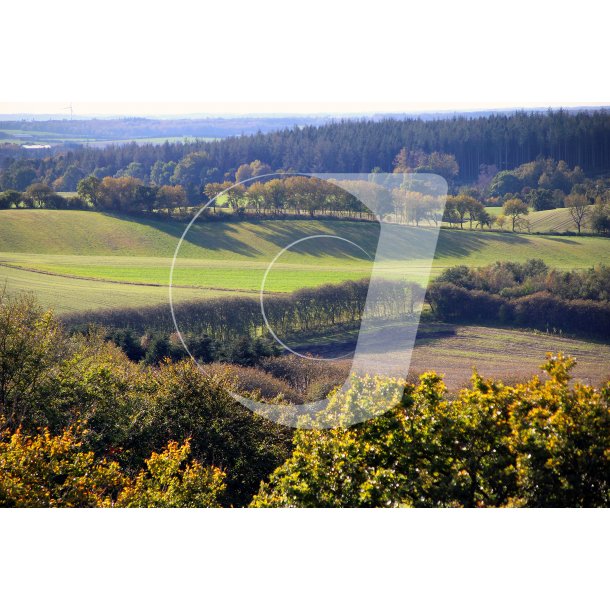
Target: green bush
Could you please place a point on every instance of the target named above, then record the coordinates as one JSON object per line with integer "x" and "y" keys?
{"x": 543, "y": 443}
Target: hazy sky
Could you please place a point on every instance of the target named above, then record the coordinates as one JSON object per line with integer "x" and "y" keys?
{"x": 263, "y": 58}
{"x": 233, "y": 108}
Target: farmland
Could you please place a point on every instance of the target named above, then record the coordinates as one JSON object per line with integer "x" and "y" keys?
{"x": 87, "y": 260}
{"x": 113, "y": 398}
{"x": 546, "y": 221}
{"x": 454, "y": 350}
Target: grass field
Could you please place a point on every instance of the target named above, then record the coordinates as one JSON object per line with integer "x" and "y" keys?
{"x": 25, "y": 136}
{"x": 547, "y": 221}
{"x": 86, "y": 260}
{"x": 65, "y": 294}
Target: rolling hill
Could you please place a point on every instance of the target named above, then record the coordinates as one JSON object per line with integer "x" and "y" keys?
{"x": 547, "y": 221}
{"x": 87, "y": 260}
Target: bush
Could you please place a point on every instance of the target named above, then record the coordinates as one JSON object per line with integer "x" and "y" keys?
{"x": 453, "y": 303}
{"x": 537, "y": 444}
{"x": 253, "y": 381}
{"x": 182, "y": 403}
{"x": 47, "y": 471}
{"x": 8, "y": 199}
{"x": 49, "y": 379}
{"x": 528, "y": 294}
{"x": 308, "y": 377}
{"x": 129, "y": 343}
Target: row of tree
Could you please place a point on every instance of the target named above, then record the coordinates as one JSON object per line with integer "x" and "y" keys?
{"x": 128, "y": 194}
{"x": 584, "y": 210}
{"x": 468, "y": 145}
{"x": 156, "y": 347}
{"x": 530, "y": 296}
{"x": 293, "y": 195}
{"x": 229, "y": 319}
{"x": 39, "y": 195}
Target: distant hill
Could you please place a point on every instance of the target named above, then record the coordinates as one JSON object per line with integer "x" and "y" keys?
{"x": 140, "y": 127}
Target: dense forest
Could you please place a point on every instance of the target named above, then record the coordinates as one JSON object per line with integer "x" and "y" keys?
{"x": 503, "y": 141}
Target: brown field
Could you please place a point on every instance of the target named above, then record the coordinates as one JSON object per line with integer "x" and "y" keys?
{"x": 454, "y": 351}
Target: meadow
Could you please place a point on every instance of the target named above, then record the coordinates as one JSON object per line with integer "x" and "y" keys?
{"x": 546, "y": 221}
{"x": 79, "y": 260}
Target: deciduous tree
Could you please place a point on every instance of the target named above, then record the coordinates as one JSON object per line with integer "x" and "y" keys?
{"x": 515, "y": 209}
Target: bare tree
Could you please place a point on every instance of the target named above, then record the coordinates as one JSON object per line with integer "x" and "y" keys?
{"x": 578, "y": 205}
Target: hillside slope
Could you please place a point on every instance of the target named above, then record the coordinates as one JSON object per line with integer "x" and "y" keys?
{"x": 548, "y": 221}
{"x": 96, "y": 234}
{"x": 87, "y": 260}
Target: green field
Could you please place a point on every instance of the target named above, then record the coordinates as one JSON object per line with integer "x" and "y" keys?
{"x": 547, "y": 221}
{"x": 87, "y": 260}
{"x": 66, "y": 294}
{"x": 26, "y": 136}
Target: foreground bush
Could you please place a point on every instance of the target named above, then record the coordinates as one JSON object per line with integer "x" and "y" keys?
{"x": 47, "y": 471}
{"x": 172, "y": 436}
{"x": 50, "y": 380}
{"x": 538, "y": 444}
{"x": 169, "y": 481}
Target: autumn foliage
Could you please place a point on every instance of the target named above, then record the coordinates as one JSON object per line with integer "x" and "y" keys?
{"x": 543, "y": 443}
{"x": 83, "y": 426}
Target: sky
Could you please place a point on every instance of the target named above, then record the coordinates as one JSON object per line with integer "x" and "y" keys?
{"x": 84, "y": 108}
{"x": 320, "y": 57}
{"x": 130, "y": 58}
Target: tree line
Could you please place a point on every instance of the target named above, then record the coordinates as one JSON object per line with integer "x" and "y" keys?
{"x": 502, "y": 141}
{"x": 291, "y": 196}
{"x": 229, "y": 319}
{"x": 296, "y": 196}
{"x": 83, "y": 426}
{"x": 528, "y": 295}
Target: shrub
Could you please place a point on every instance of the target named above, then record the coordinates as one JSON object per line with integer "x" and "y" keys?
{"x": 54, "y": 471}
{"x": 49, "y": 379}
{"x": 254, "y": 381}
{"x": 47, "y": 471}
{"x": 170, "y": 482}
{"x": 529, "y": 294}
{"x": 182, "y": 403}
{"x": 308, "y": 377}
{"x": 536, "y": 444}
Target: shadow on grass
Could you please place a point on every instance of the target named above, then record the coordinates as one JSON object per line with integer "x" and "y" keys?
{"x": 455, "y": 243}
{"x": 227, "y": 237}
